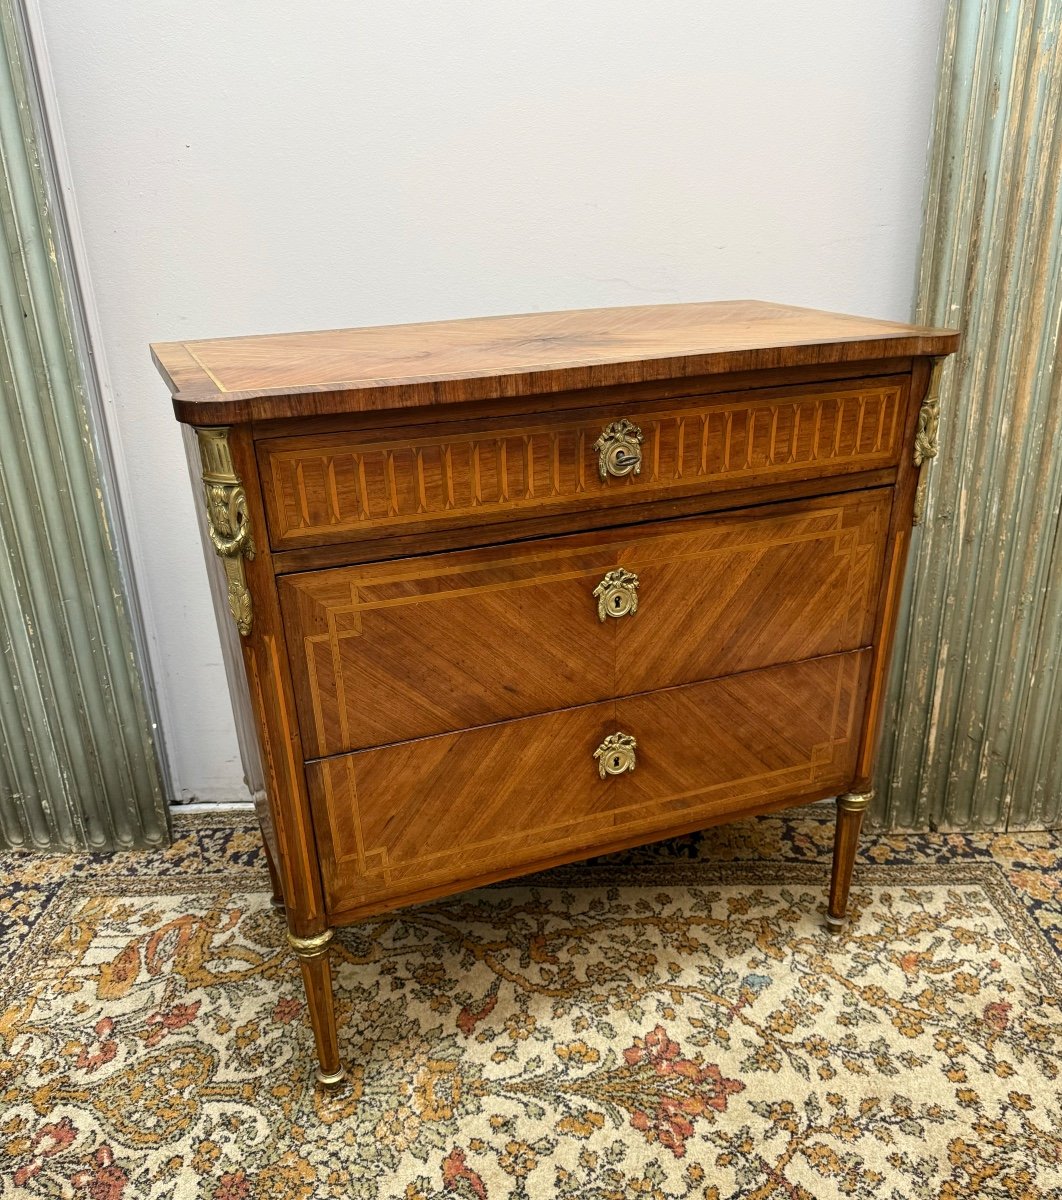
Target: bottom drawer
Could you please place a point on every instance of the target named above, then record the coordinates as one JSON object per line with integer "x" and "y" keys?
{"x": 437, "y": 814}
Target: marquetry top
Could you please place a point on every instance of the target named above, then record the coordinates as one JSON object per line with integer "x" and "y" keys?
{"x": 229, "y": 380}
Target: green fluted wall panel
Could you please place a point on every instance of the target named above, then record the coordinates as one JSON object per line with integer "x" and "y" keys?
{"x": 77, "y": 762}
{"x": 976, "y": 693}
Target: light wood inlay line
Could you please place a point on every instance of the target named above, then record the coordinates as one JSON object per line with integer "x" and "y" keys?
{"x": 842, "y": 541}
{"x": 304, "y": 840}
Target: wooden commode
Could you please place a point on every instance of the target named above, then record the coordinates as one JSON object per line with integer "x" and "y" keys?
{"x": 519, "y": 590}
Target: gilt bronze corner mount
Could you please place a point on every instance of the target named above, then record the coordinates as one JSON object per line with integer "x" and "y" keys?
{"x": 227, "y": 519}
{"x": 927, "y": 441}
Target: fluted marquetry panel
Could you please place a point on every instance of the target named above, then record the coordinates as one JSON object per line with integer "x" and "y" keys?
{"x": 977, "y": 686}
{"x": 77, "y": 764}
{"x": 332, "y": 486}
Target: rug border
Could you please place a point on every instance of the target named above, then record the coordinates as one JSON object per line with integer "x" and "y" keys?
{"x": 990, "y": 876}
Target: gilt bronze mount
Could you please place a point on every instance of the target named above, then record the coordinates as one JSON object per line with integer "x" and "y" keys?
{"x": 615, "y": 755}
{"x": 927, "y": 441}
{"x": 227, "y": 519}
{"x": 619, "y": 450}
{"x": 617, "y": 594}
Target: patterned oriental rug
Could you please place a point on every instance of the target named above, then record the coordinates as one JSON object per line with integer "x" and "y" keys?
{"x": 671, "y": 1022}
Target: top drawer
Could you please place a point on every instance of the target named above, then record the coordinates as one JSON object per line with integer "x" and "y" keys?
{"x": 333, "y": 487}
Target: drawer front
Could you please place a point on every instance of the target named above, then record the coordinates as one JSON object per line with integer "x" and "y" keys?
{"x": 390, "y": 651}
{"x": 403, "y": 820}
{"x": 339, "y": 486}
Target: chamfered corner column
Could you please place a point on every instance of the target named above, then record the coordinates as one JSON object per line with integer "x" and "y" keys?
{"x": 234, "y": 516}
{"x": 314, "y": 959}
{"x": 850, "y": 810}
{"x": 276, "y": 900}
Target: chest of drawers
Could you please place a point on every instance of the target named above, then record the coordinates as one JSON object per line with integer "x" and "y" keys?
{"x": 516, "y": 591}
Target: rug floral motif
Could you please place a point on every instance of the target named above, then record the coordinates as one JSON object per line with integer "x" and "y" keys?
{"x": 671, "y": 1022}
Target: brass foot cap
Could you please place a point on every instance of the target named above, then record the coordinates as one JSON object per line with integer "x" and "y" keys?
{"x": 333, "y": 1081}
{"x": 835, "y": 925}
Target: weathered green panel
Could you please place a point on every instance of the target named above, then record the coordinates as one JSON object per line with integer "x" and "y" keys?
{"x": 77, "y": 761}
{"x": 975, "y": 688}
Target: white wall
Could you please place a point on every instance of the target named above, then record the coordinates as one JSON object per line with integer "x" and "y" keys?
{"x": 259, "y": 165}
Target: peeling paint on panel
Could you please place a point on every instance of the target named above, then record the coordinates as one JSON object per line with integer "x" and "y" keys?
{"x": 77, "y": 756}
{"x": 980, "y": 746}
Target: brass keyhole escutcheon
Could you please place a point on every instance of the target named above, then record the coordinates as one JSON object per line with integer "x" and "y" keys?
{"x": 615, "y": 755}
{"x": 617, "y": 594}
{"x": 619, "y": 450}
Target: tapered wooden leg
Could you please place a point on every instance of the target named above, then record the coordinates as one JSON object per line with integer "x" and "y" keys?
{"x": 312, "y": 953}
{"x": 850, "y": 810}
{"x": 277, "y": 899}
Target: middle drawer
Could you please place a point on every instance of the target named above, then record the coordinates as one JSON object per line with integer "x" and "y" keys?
{"x": 386, "y": 652}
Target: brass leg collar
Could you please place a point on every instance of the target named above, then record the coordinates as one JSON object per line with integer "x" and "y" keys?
{"x": 331, "y": 1081}
{"x": 310, "y": 947}
{"x": 855, "y": 802}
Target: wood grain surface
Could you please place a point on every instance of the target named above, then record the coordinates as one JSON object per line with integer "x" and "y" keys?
{"x": 429, "y": 671}
{"x": 390, "y": 651}
{"x": 438, "y": 812}
{"x": 272, "y": 701}
{"x": 376, "y": 483}
{"x": 445, "y": 362}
